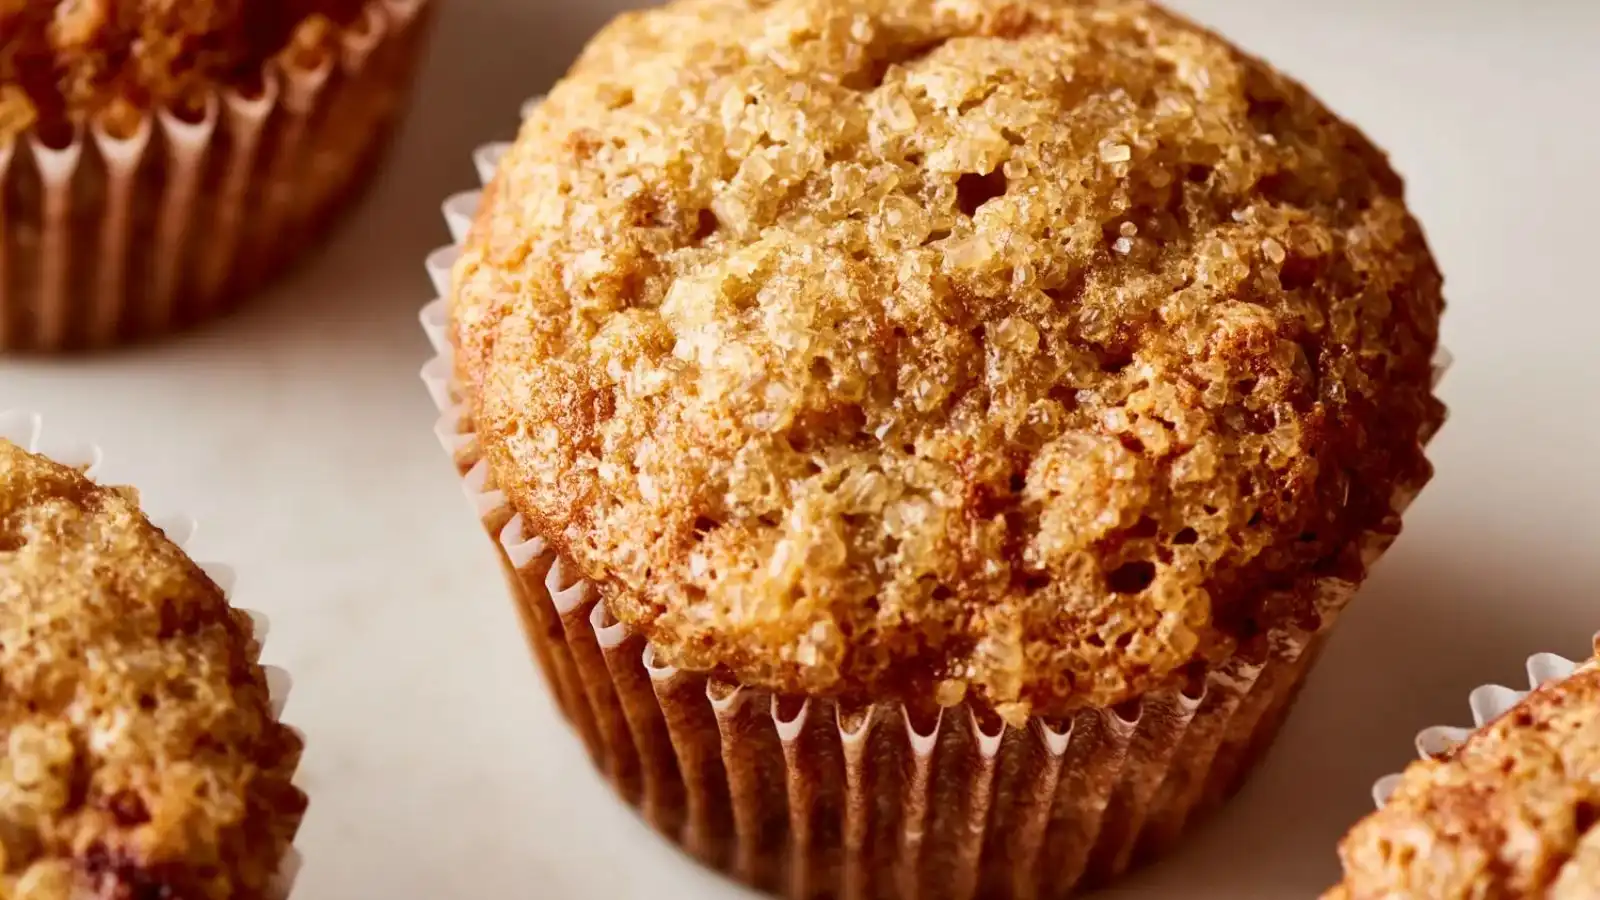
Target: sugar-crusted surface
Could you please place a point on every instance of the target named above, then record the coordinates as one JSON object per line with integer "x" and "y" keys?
{"x": 63, "y": 61}
{"x": 1513, "y": 813}
{"x": 1016, "y": 348}
{"x": 140, "y": 755}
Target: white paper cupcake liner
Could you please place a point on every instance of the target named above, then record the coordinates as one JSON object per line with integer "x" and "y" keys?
{"x": 1487, "y": 703}
{"x": 121, "y": 236}
{"x": 808, "y": 798}
{"x": 27, "y": 431}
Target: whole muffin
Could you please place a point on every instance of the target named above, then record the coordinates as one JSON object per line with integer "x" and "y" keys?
{"x": 160, "y": 160}
{"x": 1514, "y": 812}
{"x": 1026, "y": 359}
{"x": 142, "y": 756}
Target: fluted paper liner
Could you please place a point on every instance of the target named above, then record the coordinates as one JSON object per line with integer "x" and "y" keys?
{"x": 27, "y": 431}
{"x": 1487, "y": 703}
{"x": 119, "y": 236}
{"x": 807, "y": 798}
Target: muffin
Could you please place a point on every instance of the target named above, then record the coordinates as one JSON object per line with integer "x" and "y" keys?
{"x": 1513, "y": 811}
{"x": 930, "y": 441}
{"x": 160, "y": 161}
{"x": 143, "y": 754}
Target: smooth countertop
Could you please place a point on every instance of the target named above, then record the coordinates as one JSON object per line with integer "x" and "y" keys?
{"x": 298, "y": 433}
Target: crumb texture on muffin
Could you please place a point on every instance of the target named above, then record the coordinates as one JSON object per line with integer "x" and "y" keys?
{"x": 1016, "y": 349}
{"x": 62, "y": 61}
{"x": 140, "y": 754}
{"x": 1513, "y": 813}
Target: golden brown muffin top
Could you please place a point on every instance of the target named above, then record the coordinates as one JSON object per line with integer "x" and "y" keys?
{"x": 63, "y": 61}
{"x": 1513, "y": 813}
{"x": 141, "y": 756}
{"x": 1029, "y": 349}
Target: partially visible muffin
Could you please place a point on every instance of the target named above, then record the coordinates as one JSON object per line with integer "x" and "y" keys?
{"x": 161, "y": 160}
{"x": 142, "y": 758}
{"x": 66, "y": 62}
{"x": 1513, "y": 813}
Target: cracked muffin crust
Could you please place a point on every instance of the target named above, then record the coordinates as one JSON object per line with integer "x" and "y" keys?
{"x": 141, "y": 756}
{"x": 1020, "y": 350}
{"x": 63, "y": 61}
{"x": 1512, "y": 813}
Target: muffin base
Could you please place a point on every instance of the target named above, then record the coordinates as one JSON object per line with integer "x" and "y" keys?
{"x": 801, "y": 797}
{"x": 27, "y": 431}
{"x": 114, "y": 238}
{"x": 808, "y": 798}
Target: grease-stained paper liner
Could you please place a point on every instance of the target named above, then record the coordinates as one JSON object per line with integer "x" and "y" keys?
{"x": 26, "y": 430}
{"x": 128, "y": 234}
{"x": 1488, "y": 703}
{"x": 808, "y": 798}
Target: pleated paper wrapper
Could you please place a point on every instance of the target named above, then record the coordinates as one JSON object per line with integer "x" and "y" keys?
{"x": 808, "y": 799}
{"x": 128, "y": 234}
{"x": 27, "y": 431}
{"x": 1487, "y": 703}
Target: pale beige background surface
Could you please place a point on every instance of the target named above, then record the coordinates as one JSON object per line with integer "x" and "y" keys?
{"x": 300, "y": 436}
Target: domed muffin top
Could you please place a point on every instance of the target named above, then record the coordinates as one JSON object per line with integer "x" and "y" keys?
{"x": 1514, "y": 812}
{"x": 63, "y": 61}
{"x": 141, "y": 756}
{"x": 1020, "y": 349}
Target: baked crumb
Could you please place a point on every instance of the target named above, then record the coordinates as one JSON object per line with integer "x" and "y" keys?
{"x": 141, "y": 757}
{"x": 65, "y": 61}
{"x": 1020, "y": 350}
{"x": 1513, "y": 813}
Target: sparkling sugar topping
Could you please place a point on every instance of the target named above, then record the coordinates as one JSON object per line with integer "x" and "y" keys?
{"x": 138, "y": 752}
{"x": 1023, "y": 350}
